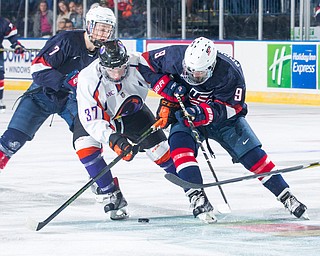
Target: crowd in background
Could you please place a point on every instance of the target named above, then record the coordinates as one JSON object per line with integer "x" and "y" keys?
{"x": 70, "y": 16}
{"x": 131, "y": 14}
{"x": 165, "y": 17}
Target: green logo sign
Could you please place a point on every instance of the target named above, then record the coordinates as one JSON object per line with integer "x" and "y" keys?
{"x": 279, "y": 65}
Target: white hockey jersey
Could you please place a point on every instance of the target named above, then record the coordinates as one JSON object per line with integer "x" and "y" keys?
{"x": 101, "y": 101}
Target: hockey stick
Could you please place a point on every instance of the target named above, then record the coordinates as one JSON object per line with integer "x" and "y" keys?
{"x": 34, "y": 225}
{"x": 197, "y": 137}
{"x": 184, "y": 184}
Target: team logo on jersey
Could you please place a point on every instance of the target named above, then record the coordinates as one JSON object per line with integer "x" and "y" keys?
{"x": 196, "y": 97}
{"x": 110, "y": 93}
{"x": 102, "y": 49}
{"x": 130, "y": 106}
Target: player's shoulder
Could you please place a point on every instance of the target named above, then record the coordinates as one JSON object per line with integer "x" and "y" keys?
{"x": 228, "y": 59}
{"x": 73, "y": 37}
{"x": 88, "y": 78}
{"x": 67, "y": 43}
{"x": 89, "y": 72}
{"x": 134, "y": 58}
{"x": 171, "y": 49}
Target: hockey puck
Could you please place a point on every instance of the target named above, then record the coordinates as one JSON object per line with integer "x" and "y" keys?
{"x": 144, "y": 220}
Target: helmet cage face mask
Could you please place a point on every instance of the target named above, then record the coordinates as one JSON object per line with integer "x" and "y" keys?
{"x": 199, "y": 61}
{"x": 101, "y": 33}
{"x": 114, "y": 74}
{"x": 113, "y": 60}
{"x": 196, "y": 77}
{"x": 100, "y": 15}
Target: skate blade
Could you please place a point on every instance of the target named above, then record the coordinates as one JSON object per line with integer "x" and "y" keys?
{"x": 207, "y": 217}
{"x": 120, "y": 214}
{"x": 305, "y": 216}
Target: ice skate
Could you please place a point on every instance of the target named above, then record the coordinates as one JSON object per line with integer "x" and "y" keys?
{"x": 201, "y": 206}
{"x": 115, "y": 203}
{"x": 292, "y": 204}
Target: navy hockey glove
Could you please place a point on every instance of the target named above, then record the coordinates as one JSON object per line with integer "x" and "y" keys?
{"x": 200, "y": 115}
{"x": 18, "y": 48}
{"x": 70, "y": 83}
{"x": 168, "y": 88}
{"x": 119, "y": 143}
{"x": 165, "y": 113}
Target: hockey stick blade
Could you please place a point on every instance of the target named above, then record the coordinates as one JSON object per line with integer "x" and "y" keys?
{"x": 185, "y": 184}
{"x": 36, "y": 226}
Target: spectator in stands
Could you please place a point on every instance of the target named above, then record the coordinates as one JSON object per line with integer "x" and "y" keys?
{"x": 43, "y": 21}
{"x": 189, "y": 7}
{"x": 61, "y": 25}
{"x": 80, "y": 18}
{"x": 72, "y": 7}
{"x": 77, "y": 17}
{"x": 105, "y": 3}
{"x": 317, "y": 14}
{"x": 68, "y": 25}
{"x": 122, "y": 4}
{"x": 134, "y": 20}
{"x": 127, "y": 11}
{"x": 64, "y": 12}
{"x": 65, "y": 24}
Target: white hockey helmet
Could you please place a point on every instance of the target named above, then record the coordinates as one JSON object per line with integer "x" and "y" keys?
{"x": 199, "y": 61}
{"x": 98, "y": 14}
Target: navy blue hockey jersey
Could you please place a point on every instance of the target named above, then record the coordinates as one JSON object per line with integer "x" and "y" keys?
{"x": 224, "y": 91}
{"x": 62, "y": 54}
{"x": 7, "y": 31}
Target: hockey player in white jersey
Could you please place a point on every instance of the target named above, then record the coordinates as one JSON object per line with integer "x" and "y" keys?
{"x": 111, "y": 97}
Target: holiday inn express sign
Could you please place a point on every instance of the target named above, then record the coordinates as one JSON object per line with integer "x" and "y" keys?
{"x": 293, "y": 66}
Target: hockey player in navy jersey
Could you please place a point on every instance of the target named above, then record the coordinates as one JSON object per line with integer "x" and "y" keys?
{"x": 54, "y": 72}
{"x": 213, "y": 89}
{"x": 7, "y": 31}
{"x": 111, "y": 97}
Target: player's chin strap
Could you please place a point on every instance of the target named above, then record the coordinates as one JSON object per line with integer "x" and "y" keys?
{"x": 34, "y": 225}
{"x": 197, "y": 137}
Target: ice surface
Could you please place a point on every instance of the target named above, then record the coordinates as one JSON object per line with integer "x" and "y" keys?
{"x": 46, "y": 172}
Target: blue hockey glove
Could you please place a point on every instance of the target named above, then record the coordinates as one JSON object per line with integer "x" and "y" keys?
{"x": 70, "y": 83}
{"x": 18, "y": 48}
{"x": 200, "y": 115}
{"x": 168, "y": 88}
